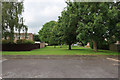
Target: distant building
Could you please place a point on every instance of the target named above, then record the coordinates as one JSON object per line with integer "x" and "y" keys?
{"x": 88, "y": 45}
{"x": 22, "y": 36}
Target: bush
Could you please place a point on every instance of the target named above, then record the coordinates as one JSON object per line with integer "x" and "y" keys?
{"x": 29, "y": 42}
{"x": 101, "y": 45}
{"x": 23, "y": 41}
{"x": 7, "y": 42}
{"x": 91, "y": 44}
{"x": 104, "y": 45}
{"x": 84, "y": 43}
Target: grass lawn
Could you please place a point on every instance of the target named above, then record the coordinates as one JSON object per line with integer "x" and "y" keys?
{"x": 50, "y": 50}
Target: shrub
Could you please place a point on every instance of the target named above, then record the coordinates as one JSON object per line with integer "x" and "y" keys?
{"x": 23, "y": 41}
{"x": 101, "y": 45}
{"x": 29, "y": 42}
{"x": 91, "y": 44}
{"x": 7, "y": 42}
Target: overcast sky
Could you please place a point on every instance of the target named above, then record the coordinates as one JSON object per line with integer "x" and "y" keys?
{"x": 38, "y": 12}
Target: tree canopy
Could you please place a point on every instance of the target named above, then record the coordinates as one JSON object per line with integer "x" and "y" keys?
{"x": 95, "y": 22}
{"x": 48, "y": 33}
{"x": 12, "y": 19}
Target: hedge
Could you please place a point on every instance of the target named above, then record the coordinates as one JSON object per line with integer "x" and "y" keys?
{"x": 20, "y": 47}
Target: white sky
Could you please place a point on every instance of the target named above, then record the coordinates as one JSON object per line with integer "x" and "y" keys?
{"x": 38, "y": 12}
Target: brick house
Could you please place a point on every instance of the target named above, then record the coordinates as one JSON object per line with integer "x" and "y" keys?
{"x": 22, "y": 36}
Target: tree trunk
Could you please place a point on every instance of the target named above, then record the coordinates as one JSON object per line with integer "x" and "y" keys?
{"x": 26, "y": 35}
{"x": 19, "y": 34}
{"x": 95, "y": 46}
{"x": 69, "y": 46}
{"x": 12, "y": 36}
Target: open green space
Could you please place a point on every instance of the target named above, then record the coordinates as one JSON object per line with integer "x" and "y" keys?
{"x": 50, "y": 50}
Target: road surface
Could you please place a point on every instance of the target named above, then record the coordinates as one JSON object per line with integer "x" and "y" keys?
{"x": 60, "y": 68}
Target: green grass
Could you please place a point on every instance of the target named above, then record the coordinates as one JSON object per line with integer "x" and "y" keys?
{"x": 50, "y": 50}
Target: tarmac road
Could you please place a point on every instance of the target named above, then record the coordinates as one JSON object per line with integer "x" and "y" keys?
{"x": 60, "y": 68}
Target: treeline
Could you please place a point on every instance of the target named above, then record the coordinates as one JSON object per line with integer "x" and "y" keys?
{"x": 50, "y": 33}
{"x": 12, "y": 19}
{"x": 97, "y": 23}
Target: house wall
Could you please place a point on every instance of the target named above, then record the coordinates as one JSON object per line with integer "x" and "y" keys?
{"x": 22, "y": 36}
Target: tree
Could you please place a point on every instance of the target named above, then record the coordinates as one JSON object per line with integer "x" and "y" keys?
{"x": 113, "y": 22}
{"x": 97, "y": 22}
{"x": 60, "y": 33}
{"x": 54, "y": 39}
{"x": 91, "y": 24}
{"x": 87, "y": 22}
{"x": 92, "y": 21}
{"x": 36, "y": 37}
{"x": 11, "y": 19}
{"x": 68, "y": 22}
{"x": 46, "y": 33}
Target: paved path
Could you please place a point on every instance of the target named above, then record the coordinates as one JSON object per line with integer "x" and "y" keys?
{"x": 60, "y": 68}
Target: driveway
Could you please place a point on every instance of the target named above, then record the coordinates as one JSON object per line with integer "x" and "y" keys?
{"x": 61, "y": 68}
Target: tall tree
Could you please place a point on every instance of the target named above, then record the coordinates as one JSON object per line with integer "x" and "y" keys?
{"x": 97, "y": 22}
{"x": 113, "y": 22}
{"x": 54, "y": 39}
{"x": 11, "y": 18}
{"x": 69, "y": 22}
{"x": 45, "y": 33}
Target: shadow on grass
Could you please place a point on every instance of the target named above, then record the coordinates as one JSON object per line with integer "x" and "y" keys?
{"x": 81, "y": 50}
{"x": 90, "y": 50}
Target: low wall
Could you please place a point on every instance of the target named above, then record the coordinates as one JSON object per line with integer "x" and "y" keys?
{"x": 20, "y": 47}
{"x": 115, "y": 47}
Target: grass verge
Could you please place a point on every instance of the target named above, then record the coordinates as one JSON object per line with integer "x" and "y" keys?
{"x": 50, "y": 50}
